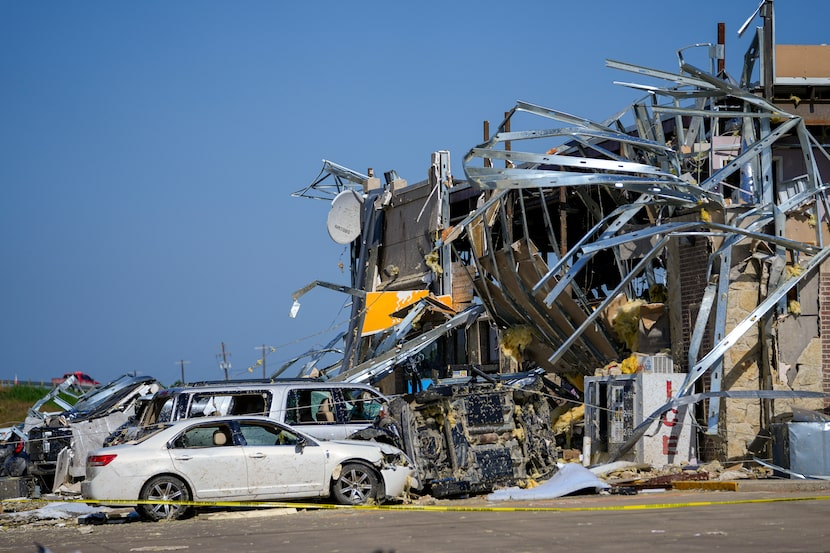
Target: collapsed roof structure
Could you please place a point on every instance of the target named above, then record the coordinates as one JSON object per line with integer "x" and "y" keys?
{"x": 699, "y": 212}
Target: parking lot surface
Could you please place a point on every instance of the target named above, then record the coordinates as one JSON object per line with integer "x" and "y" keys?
{"x": 786, "y": 517}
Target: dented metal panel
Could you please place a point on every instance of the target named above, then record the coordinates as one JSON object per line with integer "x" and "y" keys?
{"x": 471, "y": 436}
{"x": 57, "y": 444}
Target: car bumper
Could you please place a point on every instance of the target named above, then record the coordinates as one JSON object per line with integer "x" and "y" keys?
{"x": 111, "y": 491}
{"x": 398, "y": 480}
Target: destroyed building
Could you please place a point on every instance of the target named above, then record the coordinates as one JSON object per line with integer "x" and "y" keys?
{"x": 684, "y": 234}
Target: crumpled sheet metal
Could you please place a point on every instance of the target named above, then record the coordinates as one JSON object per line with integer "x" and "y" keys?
{"x": 647, "y": 169}
{"x": 570, "y": 478}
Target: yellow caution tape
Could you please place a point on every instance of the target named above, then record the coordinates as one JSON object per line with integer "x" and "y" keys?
{"x": 436, "y": 508}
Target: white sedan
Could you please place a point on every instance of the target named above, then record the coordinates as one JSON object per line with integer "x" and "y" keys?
{"x": 241, "y": 459}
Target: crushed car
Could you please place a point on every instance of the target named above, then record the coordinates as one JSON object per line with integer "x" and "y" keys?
{"x": 473, "y": 434}
{"x": 51, "y": 447}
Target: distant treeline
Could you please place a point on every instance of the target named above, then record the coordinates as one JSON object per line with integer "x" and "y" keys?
{"x": 32, "y": 383}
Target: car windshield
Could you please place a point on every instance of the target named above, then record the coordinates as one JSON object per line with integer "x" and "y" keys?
{"x": 99, "y": 399}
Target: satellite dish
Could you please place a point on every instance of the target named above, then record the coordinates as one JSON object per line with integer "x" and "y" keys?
{"x": 344, "y": 217}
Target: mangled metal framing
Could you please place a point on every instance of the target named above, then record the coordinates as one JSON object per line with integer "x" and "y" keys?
{"x": 57, "y": 443}
{"x": 584, "y": 160}
{"x": 370, "y": 358}
{"x": 341, "y": 179}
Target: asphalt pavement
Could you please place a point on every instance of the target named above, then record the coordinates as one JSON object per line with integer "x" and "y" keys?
{"x": 754, "y": 516}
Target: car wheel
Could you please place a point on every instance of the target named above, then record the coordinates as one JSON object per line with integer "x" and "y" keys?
{"x": 356, "y": 485}
{"x": 164, "y": 488}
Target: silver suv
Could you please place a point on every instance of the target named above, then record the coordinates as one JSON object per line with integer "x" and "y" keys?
{"x": 325, "y": 410}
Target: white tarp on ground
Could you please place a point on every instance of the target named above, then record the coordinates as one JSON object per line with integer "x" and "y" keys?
{"x": 570, "y": 478}
{"x": 57, "y": 511}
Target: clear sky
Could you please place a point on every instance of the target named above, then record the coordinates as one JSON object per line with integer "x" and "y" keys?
{"x": 148, "y": 151}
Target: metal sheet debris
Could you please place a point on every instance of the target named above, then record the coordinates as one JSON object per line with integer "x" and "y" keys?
{"x": 802, "y": 448}
{"x": 569, "y": 479}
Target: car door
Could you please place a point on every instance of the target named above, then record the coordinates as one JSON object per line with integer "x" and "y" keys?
{"x": 279, "y": 464}
{"x": 210, "y": 460}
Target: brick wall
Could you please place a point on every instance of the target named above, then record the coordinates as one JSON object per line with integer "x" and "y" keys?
{"x": 692, "y": 266}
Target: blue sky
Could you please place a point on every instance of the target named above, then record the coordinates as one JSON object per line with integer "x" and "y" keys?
{"x": 149, "y": 150}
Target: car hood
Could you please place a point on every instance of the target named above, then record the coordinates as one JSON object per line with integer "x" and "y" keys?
{"x": 366, "y": 445}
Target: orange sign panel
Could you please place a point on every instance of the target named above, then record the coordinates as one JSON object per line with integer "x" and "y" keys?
{"x": 381, "y": 305}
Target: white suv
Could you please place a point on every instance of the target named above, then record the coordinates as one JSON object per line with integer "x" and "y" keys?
{"x": 325, "y": 410}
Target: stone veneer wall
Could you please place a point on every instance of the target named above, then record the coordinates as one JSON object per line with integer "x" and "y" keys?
{"x": 824, "y": 327}
{"x": 740, "y": 419}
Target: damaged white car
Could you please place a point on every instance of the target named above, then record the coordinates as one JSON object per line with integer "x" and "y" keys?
{"x": 241, "y": 459}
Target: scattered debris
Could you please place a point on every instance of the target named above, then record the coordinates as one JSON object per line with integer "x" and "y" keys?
{"x": 569, "y": 479}
{"x": 49, "y": 512}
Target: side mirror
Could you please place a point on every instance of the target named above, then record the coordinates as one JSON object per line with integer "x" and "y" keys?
{"x": 300, "y": 444}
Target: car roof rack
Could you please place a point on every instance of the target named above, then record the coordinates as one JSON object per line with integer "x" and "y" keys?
{"x": 247, "y": 381}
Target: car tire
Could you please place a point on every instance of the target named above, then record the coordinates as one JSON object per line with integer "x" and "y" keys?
{"x": 356, "y": 485}
{"x": 166, "y": 488}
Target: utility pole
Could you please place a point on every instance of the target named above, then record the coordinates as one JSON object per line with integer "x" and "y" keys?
{"x": 224, "y": 364}
{"x": 182, "y": 363}
{"x": 264, "y": 348}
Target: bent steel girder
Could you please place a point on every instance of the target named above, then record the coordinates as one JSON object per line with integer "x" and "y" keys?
{"x": 639, "y": 268}
{"x": 313, "y": 356}
{"x": 654, "y": 174}
{"x": 750, "y": 154}
{"x": 611, "y": 223}
{"x": 671, "y": 189}
{"x": 666, "y": 232}
{"x": 763, "y": 308}
{"x": 343, "y": 179}
{"x": 505, "y": 290}
{"x": 375, "y": 369}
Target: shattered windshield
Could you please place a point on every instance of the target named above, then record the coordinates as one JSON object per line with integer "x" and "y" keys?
{"x": 100, "y": 399}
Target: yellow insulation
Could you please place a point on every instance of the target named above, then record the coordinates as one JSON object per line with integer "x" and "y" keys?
{"x": 567, "y": 419}
{"x": 514, "y": 340}
{"x": 431, "y": 259}
{"x": 627, "y": 323}
{"x": 794, "y": 271}
{"x": 577, "y": 380}
{"x": 630, "y": 365}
